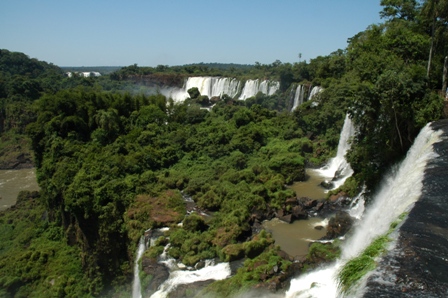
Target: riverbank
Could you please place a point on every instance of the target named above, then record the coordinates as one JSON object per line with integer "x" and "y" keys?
{"x": 12, "y": 182}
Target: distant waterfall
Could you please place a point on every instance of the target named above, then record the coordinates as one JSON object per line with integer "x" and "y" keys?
{"x": 136, "y": 287}
{"x": 316, "y": 90}
{"x": 252, "y": 87}
{"x": 209, "y": 86}
{"x": 398, "y": 194}
{"x": 338, "y": 169}
{"x": 217, "y": 86}
{"x": 298, "y": 97}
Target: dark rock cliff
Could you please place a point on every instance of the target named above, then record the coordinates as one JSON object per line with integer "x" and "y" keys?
{"x": 418, "y": 265}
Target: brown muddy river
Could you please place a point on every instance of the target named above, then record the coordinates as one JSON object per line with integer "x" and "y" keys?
{"x": 310, "y": 188}
{"x": 296, "y": 237}
{"x": 12, "y": 182}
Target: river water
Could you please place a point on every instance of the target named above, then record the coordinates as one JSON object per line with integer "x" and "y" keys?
{"x": 296, "y": 237}
{"x": 310, "y": 188}
{"x": 14, "y": 181}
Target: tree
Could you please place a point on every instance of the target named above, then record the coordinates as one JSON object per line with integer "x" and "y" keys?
{"x": 399, "y": 9}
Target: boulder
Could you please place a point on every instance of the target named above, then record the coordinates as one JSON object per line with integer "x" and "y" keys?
{"x": 299, "y": 213}
{"x": 291, "y": 201}
{"x": 159, "y": 273}
{"x": 189, "y": 290}
{"x": 327, "y": 185}
{"x": 339, "y": 225}
{"x": 286, "y": 218}
{"x": 307, "y": 203}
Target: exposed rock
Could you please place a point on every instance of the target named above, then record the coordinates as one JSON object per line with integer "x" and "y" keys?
{"x": 307, "y": 203}
{"x": 280, "y": 213}
{"x": 189, "y": 290}
{"x": 418, "y": 265}
{"x": 286, "y": 218}
{"x": 291, "y": 201}
{"x": 199, "y": 265}
{"x": 339, "y": 225}
{"x": 327, "y": 184}
{"x": 339, "y": 197}
{"x": 284, "y": 255}
{"x": 299, "y": 213}
{"x": 159, "y": 273}
{"x": 319, "y": 206}
{"x": 12, "y": 160}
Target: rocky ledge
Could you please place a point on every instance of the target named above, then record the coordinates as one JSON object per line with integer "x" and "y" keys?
{"x": 418, "y": 265}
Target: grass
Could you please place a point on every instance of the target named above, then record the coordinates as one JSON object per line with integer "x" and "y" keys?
{"x": 356, "y": 268}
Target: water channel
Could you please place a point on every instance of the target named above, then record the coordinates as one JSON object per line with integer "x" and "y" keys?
{"x": 14, "y": 181}
{"x": 296, "y": 237}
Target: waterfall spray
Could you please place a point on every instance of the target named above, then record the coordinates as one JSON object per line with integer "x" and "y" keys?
{"x": 338, "y": 168}
{"x": 136, "y": 286}
{"x": 398, "y": 193}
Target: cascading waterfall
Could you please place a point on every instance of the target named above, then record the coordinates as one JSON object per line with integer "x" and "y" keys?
{"x": 216, "y": 86}
{"x": 338, "y": 168}
{"x": 181, "y": 277}
{"x": 136, "y": 286}
{"x": 316, "y": 90}
{"x": 298, "y": 97}
{"x": 209, "y": 86}
{"x": 252, "y": 87}
{"x": 398, "y": 194}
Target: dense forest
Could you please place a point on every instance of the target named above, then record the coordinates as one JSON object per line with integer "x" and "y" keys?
{"x": 114, "y": 158}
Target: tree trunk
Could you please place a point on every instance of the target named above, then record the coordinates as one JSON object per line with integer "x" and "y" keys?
{"x": 431, "y": 49}
{"x": 445, "y": 78}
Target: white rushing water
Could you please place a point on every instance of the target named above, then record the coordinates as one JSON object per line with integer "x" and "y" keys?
{"x": 338, "y": 165}
{"x": 252, "y": 87}
{"x": 180, "y": 276}
{"x": 136, "y": 287}
{"x": 209, "y": 86}
{"x": 217, "y": 87}
{"x": 398, "y": 194}
{"x": 316, "y": 90}
{"x": 298, "y": 97}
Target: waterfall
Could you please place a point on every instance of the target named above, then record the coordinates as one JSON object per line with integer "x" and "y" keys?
{"x": 209, "y": 86}
{"x": 316, "y": 90}
{"x": 252, "y": 87}
{"x": 178, "y": 277}
{"x": 136, "y": 287}
{"x": 298, "y": 97}
{"x": 338, "y": 169}
{"x": 216, "y": 86}
{"x": 399, "y": 191}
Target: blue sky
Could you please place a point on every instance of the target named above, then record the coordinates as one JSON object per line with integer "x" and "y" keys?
{"x": 177, "y": 32}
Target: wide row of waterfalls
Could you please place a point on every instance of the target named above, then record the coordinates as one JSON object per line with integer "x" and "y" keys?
{"x": 218, "y": 86}
{"x": 242, "y": 90}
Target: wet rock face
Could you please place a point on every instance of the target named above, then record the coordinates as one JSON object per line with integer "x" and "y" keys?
{"x": 418, "y": 265}
{"x": 158, "y": 272}
{"x": 189, "y": 290}
{"x": 339, "y": 225}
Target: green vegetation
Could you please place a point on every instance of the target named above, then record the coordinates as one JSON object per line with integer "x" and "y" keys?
{"x": 323, "y": 252}
{"x": 359, "y": 266}
{"x": 114, "y": 157}
{"x": 258, "y": 268}
{"x": 35, "y": 259}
